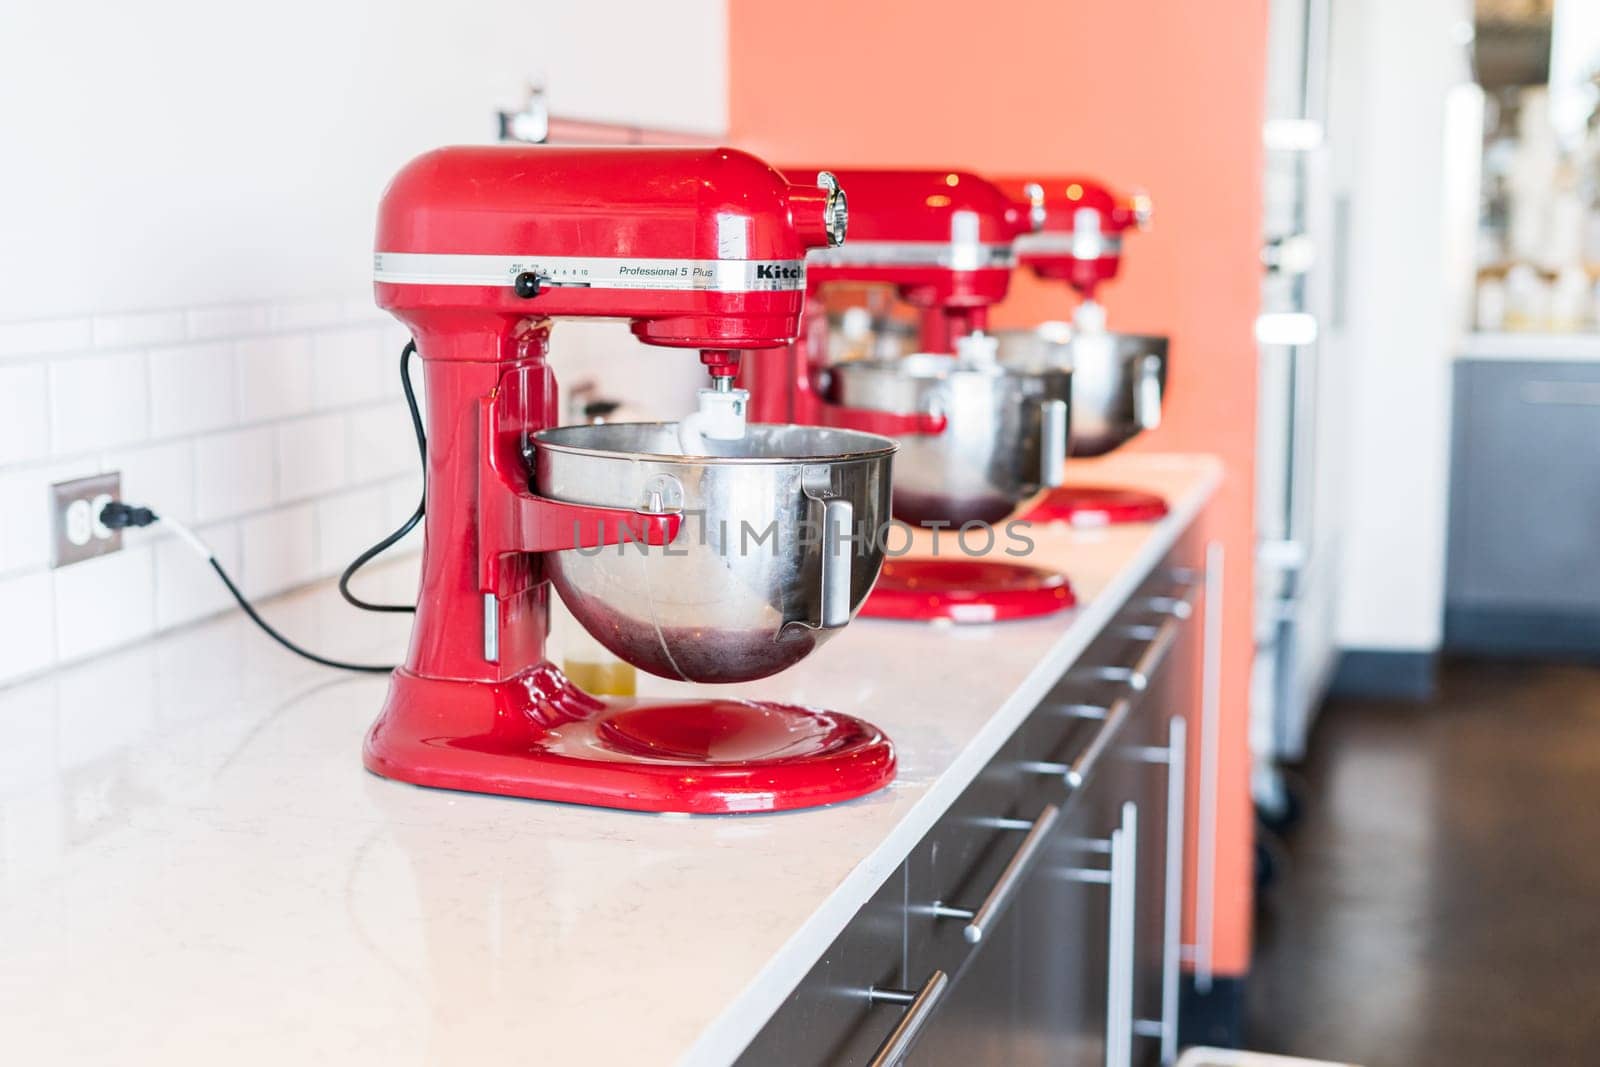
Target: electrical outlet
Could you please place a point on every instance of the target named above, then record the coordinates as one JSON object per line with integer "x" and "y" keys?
{"x": 75, "y": 518}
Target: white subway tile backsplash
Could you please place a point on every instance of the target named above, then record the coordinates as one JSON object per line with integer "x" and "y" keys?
{"x": 27, "y": 625}
{"x": 279, "y": 549}
{"x": 312, "y": 456}
{"x": 403, "y": 494}
{"x": 192, "y": 390}
{"x": 349, "y": 524}
{"x": 25, "y": 511}
{"x": 44, "y": 338}
{"x": 235, "y": 320}
{"x": 305, "y": 315}
{"x": 391, "y": 342}
{"x": 274, "y": 377}
{"x": 137, "y": 329}
{"x": 651, "y": 383}
{"x": 104, "y": 602}
{"x": 348, "y": 367}
{"x": 363, "y": 309}
{"x": 235, "y": 473}
{"x": 186, "y": 587}
{"x": 159, "y": 477}
{"x": 382, "y": 443}
{"x": 98, "y": 402}
{"x": 277, "y": 431}
{"x": 24, "y": 413}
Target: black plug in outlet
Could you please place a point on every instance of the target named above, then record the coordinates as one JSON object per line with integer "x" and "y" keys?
{"x": 76, "y": 530}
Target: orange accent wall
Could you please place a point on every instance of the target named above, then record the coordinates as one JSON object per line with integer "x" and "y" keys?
{"x": 1166, "y": 95}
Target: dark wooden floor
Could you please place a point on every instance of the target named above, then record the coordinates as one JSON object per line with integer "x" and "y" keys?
{"x": 1439, "y": 900}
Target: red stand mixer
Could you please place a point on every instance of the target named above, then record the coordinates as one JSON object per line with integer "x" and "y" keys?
{"x": 479, "y": 250}
{"x": 1118, "y": 379}
{"x": 976, "y": 437}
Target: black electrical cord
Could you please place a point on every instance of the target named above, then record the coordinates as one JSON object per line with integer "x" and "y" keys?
{"x": 118, "y": 515}
{"x": 416, "y": 516}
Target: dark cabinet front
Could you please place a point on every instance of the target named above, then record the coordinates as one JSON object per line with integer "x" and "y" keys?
{"x": 1524, "y": 507}
{"x": 1036, "y": 923}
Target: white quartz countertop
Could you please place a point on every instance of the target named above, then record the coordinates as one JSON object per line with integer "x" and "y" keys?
{"x": 195, "y": 869}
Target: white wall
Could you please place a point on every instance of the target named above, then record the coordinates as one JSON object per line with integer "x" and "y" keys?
{"x": 190, "y": 152}
{"x": 187, "y": 192}
{"x": 1400, "y": 333}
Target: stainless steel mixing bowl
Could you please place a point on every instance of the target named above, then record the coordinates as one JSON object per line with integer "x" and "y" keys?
{"x": 782, "y": 538}
{"x": 1005, "y": 438}
{"x": 1117, "y": 379}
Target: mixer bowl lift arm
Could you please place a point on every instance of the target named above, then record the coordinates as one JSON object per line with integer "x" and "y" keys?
{"x": 512, "y": 519}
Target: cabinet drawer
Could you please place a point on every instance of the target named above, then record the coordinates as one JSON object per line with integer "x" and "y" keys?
{"x": 1105, "y": 713}
{"x": 1117, "y": 690}
{"x": 1061, "y": 1005}
{"x": 831, "y": 1018}
{"x": 958, "y": 863}
{"x": 1524, "y": 495}
{"x": 993, "y": 941}
{"x": 1120, "y": 662}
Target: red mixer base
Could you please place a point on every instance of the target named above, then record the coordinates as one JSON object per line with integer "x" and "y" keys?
{"x": 1093, "y": 505}
{"x": 966, "y": 590}
{"x": 541, "y": 737}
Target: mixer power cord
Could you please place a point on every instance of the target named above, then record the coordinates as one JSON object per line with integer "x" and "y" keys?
{"x": 120, "y": 516}
{"x": 416, "y": 516}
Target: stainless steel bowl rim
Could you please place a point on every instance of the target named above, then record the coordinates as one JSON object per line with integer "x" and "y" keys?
{"x": 1058, "y": 332}
{"x": 872, "y": 446}
{"x": 921, "y": 366}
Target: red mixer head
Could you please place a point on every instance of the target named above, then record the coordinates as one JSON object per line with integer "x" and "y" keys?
{"x": 942, "y": 237}
{"x": 699, "y": 247}
{"x": 1080, "y": 228}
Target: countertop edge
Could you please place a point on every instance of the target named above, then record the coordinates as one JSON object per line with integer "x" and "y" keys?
{"x": 730, "y": 1033}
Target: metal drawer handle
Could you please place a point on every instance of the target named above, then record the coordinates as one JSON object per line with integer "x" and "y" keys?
{"x": 1177, "y": 606}
{"x": 1120, "y": 983}
{"x": 1138, "y": 676}
{"x": 1077, "y": 772}
{"x": 923, "y": 1003}
{"x": 1119, "y": 877}
{"x": 1155, "y": 652}
{"x": 1079, "y": 711}
{"x": 1010, "y": 879}
{"x": 1172, "y": 918}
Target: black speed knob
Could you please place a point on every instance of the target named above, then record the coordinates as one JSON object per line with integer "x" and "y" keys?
{"x": 526, "y": 285}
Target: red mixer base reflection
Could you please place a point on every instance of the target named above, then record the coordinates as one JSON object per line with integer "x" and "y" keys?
{"x": 1093, "y": 505}
{"x": 539, "y": 736}
{"x": 966, "y": 590}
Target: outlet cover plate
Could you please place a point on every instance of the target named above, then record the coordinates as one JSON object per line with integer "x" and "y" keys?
{"x": 75, "y": 529}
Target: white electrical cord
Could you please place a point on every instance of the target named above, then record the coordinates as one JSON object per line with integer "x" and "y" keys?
{"x": 189, "y": 537}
